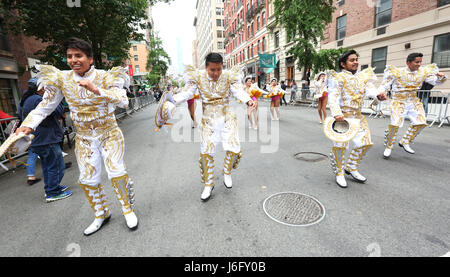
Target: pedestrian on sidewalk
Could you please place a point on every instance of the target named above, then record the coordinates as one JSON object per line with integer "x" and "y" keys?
{"x": 45, "y": 144}
{"x": 283, "y": 87}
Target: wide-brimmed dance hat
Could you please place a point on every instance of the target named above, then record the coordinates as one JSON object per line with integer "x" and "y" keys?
{"x": 16, "y": 144}
{"x": 341, "y": 131}
{"x": 165, "y": 110}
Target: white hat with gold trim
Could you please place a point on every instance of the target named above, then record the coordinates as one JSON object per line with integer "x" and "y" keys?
{"x": 166, "y": 109}
{"x": 16, "y": 144}
{"x": 341, "y": 131}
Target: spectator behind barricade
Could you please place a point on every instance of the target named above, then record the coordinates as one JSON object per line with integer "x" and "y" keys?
{"x": 32, "y": 157}
{"x": 424, "y": 95}
{"x": 305, "y": 89}
{"x": 46, "y": 145}
{"x": 283, "y": 87}
{"x": 293, "y": 91}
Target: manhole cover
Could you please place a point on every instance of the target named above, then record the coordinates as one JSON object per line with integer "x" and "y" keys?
{"x": 294, "y": 209}
{"x": 311, "y": 157}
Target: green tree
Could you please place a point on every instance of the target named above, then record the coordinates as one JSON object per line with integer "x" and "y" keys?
{"x": 305, "y": 22}
{"x": 109, "y": 25}
{"x": 158, "y": 61}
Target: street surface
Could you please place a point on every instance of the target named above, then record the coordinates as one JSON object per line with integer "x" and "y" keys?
{"x": 402, "y": 210}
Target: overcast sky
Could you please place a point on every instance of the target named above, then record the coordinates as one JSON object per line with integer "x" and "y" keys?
{"x": 174, "y": 24}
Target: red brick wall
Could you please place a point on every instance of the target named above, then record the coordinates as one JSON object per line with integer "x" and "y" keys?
{"x": 23, "y": 47}
{"x": 361, "y": 16}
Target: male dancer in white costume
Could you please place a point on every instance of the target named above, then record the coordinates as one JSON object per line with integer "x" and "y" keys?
{"x": 404, "y": 83}
{"x": 92, "y": 96}
{"x": 219, "y": 122}
{"x": 347, "y": 90}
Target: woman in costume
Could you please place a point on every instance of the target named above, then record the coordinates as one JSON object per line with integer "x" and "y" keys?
{"x": 254, "y": 92}
{"x": 320, "y": 84}
{"x": 275, "y": 92}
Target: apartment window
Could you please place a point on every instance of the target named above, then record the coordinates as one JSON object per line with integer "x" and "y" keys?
{"x": 218, "y": 11}
{"x": 248, "y": 53}
{"x": 341, "y": 27}
{"x": 258, "y": 45}
{"x": 441, "y": 50}
{"x": 257, "y": 23}
{"x": 264, "y": 44}
{"x": 136, "y": 58}
{"x": 263, "y": 18}
{"x": 220, "y": 45}
{"x": 277, "y": 39}
{"x": 135, "y": 48}
{"x": 379, "y": 57}
{"x": 137, "y": 68}
{"x": 383, "y": 13}
{"x": 219, "y": 22}
{"x": 219, "y": 34}
{"x": 443, "y": 3}
{"x": 252, "y": 49}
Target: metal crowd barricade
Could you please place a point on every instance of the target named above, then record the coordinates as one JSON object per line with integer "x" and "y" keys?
{"x": 435, "y": 104}
{"x": 134, "y": 105}
{"x": 5, "y": 129}
{"x": 446, "y": 113}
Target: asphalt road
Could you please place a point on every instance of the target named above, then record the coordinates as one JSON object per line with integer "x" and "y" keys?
{"x": 402, "y": 210}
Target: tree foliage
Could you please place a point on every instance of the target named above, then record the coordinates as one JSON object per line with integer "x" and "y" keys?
{"x": 109, "y": 25}
{"x": 158, "y": 61}
{"x": 305, "y": 22}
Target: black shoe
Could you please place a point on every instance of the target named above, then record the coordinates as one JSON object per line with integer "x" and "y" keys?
{"x": 32, "y": 182}
{"x": 68, "y": 165}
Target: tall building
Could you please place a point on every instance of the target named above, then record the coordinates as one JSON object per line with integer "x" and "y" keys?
{"x": 209, "y": 28}
{"x": 195, "y": 46}
{"x": 385, "y": 33}
{"x": 251, "y": 30}
{"x": 139, "y": 50}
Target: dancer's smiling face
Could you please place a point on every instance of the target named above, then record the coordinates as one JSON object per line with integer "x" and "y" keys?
{"x": 351, "y": 64}
{"x": 78, "y": 61}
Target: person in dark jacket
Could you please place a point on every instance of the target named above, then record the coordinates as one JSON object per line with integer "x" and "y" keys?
{"x": 46, "y": 145}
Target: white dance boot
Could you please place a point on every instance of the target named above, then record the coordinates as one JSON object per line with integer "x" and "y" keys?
{"x": 97, "y": 199}
{"x": 206, "y": 163}
{"x": 340, "y": 181}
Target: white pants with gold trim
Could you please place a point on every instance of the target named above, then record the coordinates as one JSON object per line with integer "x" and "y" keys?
{"x": 90, "y": 152}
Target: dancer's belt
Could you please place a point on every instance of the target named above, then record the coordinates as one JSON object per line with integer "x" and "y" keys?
{"x": 407, "y": 95}
{"x": 351, "y": 112}
{"x": 96, "y": 127}
{"x": 217, "y": 107}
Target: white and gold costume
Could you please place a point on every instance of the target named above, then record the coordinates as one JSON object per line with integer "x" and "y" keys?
{"x": 98, "y": 136}
{"x": 346, "y": 93}
{"x": 219, "y": 122}
{"x": 403, "y": 83}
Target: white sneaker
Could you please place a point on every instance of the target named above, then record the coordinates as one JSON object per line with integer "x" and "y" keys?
{"x": 64, "y": 154}
{"x": 387, "y": 153}
{"x": 227, "y": 181}
{"x": 357, "y": 176}
{"x": 407, "y": 148}
{"x": 132, "y": 221}
{"x": 206, "y": 194}
{"x": 340, "y": 181}
{"x": 96, "y": 225}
